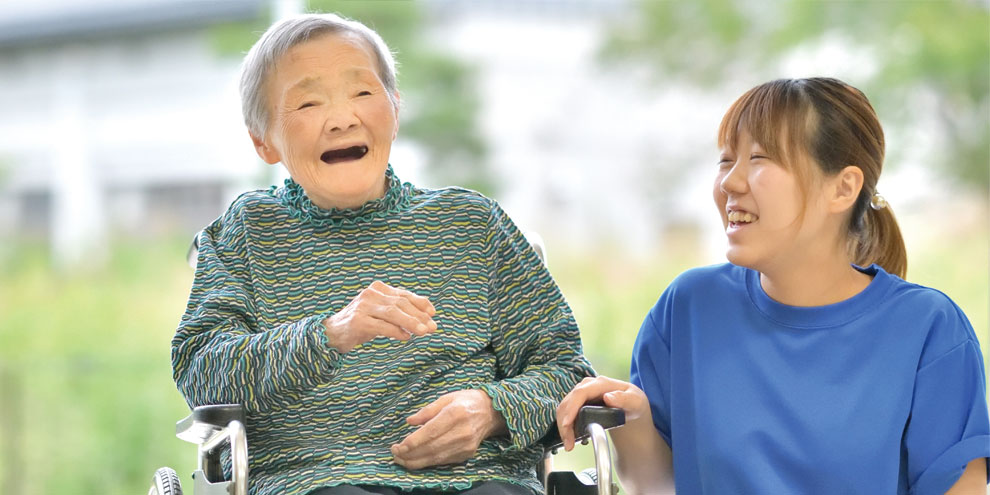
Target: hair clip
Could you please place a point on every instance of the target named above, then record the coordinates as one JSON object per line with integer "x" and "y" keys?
{"x": 877, "y": 202}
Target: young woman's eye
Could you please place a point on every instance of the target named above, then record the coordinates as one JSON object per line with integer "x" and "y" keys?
{"x": 756, "y": 156}
{"x": 724, "y": 162}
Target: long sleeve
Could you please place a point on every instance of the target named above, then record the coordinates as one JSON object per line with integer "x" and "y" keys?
{"x": 219, "y": 352}
{"x": 534, "y": 335}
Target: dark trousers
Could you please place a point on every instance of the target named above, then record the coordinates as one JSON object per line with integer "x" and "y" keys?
{"x": 486, "y": 488}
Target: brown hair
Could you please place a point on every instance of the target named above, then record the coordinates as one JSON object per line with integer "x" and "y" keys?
{"x": 834, "y": 124}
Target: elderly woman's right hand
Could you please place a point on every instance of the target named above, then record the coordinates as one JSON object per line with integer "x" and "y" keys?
{"x": 380, "y": 310}
{"x": 614, "y": 393}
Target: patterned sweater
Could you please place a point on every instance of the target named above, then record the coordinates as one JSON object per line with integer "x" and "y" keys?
{"x": 275, "y": 265}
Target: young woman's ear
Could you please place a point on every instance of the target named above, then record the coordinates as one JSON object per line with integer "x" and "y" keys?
{"x": 267, "y": 153}
{"x": 845, "y": 188}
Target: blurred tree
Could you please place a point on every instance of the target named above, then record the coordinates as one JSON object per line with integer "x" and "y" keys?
{"x": 935, "y": 53}
{"x": 439, "y": 102}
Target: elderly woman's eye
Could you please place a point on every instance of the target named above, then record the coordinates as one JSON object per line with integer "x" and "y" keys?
{"x": 307, "y": 104}
{"x": 364, "y": 93}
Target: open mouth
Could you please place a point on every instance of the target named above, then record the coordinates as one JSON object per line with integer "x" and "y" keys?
{"x": 344, "y": 154}
{"x": 741, "y": 217}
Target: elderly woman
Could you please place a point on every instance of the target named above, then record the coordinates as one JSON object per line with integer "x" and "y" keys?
{"x": 382, "y": 337}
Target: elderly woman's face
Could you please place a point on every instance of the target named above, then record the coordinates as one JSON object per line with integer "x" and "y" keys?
{"x": 332, "y": 121}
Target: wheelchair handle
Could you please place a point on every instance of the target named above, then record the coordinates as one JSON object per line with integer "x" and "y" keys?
{"x": 603, "y": 458}
{"x": 237, "y": 436}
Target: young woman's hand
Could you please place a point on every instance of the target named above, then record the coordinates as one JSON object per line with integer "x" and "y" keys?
{"x": 614, "y": 393}
{"x": 380, "y": 310}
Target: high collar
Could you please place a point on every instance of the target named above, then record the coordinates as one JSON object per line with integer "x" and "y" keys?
{"x": 293, "y": 197}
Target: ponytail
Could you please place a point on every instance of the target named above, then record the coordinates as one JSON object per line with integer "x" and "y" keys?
{"x": 880, "y": 242}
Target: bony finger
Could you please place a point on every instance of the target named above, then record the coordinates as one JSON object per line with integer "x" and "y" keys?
{"x": 412, "y": 315}
{"x": 422, "y": 303}
{"x": 409, "y": 445}
{"x": 564, "y": 429}
{"x": 386, "y": 329}
{"x": 417, "y": 329}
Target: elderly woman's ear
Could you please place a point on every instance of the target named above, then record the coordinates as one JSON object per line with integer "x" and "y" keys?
{"x": 395, "y": 103}
{"x": 267, "y": 153}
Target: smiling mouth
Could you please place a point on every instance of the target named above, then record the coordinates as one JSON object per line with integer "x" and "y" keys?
{"x": 344, "y": 154}
{"x": 741, "y": 217}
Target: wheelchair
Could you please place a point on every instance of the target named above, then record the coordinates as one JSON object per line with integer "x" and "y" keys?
{"x": 215, "y": 428}
{"x": 219, "y": 428}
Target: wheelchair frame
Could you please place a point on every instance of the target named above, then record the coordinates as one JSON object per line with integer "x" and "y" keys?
{"x": 215, "y": 427}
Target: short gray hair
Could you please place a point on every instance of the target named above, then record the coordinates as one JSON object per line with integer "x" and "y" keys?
{"x": 279, "y": 39}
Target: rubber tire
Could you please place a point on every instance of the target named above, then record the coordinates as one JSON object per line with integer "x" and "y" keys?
{"x": 589, "y": 477}
{"x": 165, "y": 482}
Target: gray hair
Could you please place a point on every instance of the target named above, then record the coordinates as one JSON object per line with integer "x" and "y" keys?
{"x": 279, "y": 39}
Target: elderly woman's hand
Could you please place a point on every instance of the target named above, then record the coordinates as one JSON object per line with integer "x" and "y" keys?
{"x": 380, "y": 310}
{"x": 451, "y": 429}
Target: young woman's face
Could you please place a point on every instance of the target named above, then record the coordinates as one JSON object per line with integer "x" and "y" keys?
{"x": 332, "y": 120}
{"x": 768, "y": 220}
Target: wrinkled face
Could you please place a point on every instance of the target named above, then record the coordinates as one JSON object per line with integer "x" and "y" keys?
{"x": 768, "y": 221}
{"x": 332, "y": 121}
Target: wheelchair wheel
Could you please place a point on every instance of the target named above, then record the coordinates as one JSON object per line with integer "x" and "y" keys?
{"x": 589, "y": 476}
{"x": 165, "y": 482}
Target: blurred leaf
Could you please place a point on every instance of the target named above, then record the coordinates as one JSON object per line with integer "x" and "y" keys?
{"x": 936, "y": 49}
{"x": 234, "y": 39}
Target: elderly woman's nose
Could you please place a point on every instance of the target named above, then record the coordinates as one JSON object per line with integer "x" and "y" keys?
{"x": 341, "y": 117}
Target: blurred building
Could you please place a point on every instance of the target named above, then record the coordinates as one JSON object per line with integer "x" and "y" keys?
{"x": 586, "y": 146}
{"x": 118, "y": 117}
{"x": 122, "y": 116}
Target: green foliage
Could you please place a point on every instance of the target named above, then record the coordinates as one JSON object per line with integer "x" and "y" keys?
{"x": 234, "y": 39}
{"x": 920, "y": 50}
{"x": 88, "y": 400}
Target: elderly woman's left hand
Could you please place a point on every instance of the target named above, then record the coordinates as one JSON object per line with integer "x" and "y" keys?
{"x": 453, "y": 427}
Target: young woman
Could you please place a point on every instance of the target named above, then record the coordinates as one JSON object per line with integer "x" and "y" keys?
{"x": 806, "y": 364}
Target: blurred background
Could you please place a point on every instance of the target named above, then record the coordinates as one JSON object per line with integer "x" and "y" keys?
{"x": 591, "y": 121}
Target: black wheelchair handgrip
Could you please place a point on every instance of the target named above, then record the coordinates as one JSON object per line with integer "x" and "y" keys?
{"x": 607, "y": 417}
{"x": 219, "y": 414}
{"x": 205, "y": 419}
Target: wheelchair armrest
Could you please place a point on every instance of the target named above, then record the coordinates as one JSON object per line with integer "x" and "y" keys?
{"x": 207, "y": 420}
{"x": 607, "y": 417}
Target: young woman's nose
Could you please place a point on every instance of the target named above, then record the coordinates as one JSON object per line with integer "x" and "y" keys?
{"x": 734, "y": 181}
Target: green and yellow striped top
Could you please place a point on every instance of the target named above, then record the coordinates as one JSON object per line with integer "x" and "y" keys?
{"x": 275, "y": 265}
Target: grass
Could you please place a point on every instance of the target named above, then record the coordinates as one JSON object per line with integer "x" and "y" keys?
{"x": 84, "y": 358}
